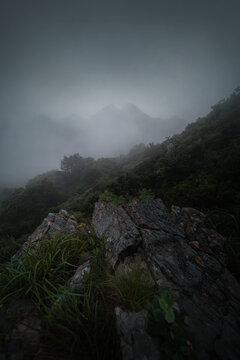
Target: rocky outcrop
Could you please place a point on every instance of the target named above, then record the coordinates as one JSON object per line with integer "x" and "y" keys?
{"x": 19, "y": 321}
{"x": 176, "y": 252}
{"x": 53, "y": 224}
{"x": 184, "y": 257}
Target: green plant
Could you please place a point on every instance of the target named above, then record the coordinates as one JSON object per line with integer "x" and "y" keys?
{"x": 112, "y": 198}
{"x": 108, "y": 196}
{"x": 74, "y": 324}
{"x": 145, "y": 194}
{"x": 132, "y": 288}
{"x": 40, "y": 273}
{"x": 9, "y": 245}
{"x": 165, "y": 324}
{"x": 83, "y": 326}
{"x": 98, "y": 257}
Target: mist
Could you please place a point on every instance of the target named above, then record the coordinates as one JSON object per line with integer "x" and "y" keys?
{"x": 39, "y": 144}
{"x": 64, "y": 62}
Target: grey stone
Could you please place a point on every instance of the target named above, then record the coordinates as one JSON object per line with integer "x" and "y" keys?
{"x": 143, "y": 216}
{"x": 114, "y": 223}
{"x": 184, "y": 257}
{"x": 80, "y": 275}
{"x": 135, "y": 343}
{"x": 53, "y": 224}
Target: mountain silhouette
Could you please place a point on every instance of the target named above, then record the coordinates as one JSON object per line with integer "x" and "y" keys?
{"x": 109, "y": 132}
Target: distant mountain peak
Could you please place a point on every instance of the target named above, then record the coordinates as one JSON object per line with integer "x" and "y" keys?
{"x": 107, "y": 111}
{"x": 130, "y": 106}
{"x": 133, "y": 110}
{"x": 110, "y": 107}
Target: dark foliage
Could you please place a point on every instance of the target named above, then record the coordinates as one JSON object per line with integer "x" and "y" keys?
{"x": 198, "y": 168}
{"x": 24, "y": 208}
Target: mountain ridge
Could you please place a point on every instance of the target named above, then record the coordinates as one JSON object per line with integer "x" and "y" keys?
{"x": 199, "y": 168}
{"x": 109, "y": 132}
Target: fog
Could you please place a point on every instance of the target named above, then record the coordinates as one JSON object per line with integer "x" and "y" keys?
{"x": 38, "y": 145}
{"x": 63, "y": 62}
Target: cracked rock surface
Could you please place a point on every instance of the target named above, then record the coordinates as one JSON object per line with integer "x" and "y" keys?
{"x": 184, "y": 257}
{"x": 53, "y": 224}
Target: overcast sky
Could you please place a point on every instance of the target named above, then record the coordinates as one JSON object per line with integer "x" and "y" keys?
{"x": 169, "y": 57}
{"x": 63, "y": 57}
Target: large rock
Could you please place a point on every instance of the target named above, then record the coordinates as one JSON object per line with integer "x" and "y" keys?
{"x": 19, "y": 320}
{"x": 114, "y": 223}
{"x": 184, "y": 257}
{"x": 53, "y": 224}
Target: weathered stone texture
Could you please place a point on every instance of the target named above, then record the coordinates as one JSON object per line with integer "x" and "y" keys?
{"x": 135, "y": 342}
{"x": 53, "y": 224}
{"x": 184, "y": 257}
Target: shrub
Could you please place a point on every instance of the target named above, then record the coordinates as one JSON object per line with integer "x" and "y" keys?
{"x": 165, "y": 325}
{"x": 112, "y": 198}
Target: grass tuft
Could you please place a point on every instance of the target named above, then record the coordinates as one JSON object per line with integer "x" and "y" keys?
{"x": 132, "y": 287}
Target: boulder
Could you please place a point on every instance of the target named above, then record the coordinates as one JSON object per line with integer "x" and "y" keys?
{"x": 80, "y": 275}
{"x": 184, "y": 257}
{"x": 53, "y": 224}
{"x": 20, "y": 320}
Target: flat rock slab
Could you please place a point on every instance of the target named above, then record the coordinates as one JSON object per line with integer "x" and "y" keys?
{"x": 184, "y": 257}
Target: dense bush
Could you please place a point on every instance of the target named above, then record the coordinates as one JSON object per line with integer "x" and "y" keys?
{"x": 25, "y": 208}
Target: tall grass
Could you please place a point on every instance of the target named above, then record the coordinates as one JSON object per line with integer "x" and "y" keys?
{"x": 83, "y": 327}
{"x": 42, "y": 273}
{"x": 75, "y": 325}
{"x": 132, "y": 288}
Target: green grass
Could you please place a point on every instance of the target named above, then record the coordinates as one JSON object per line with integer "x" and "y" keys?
{"x": 166, "y": 326}
{"x": 74, "y": 324}
{"x": 9, "y": 245}
{"x": 77, "y": 324}
{"x": 132, "y": 288}
{"x": 43, "y": 272}
{"x": 83, "y": 326}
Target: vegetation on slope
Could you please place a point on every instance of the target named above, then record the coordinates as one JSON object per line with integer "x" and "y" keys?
{"x": 198, "y": 168}
{"x": 81, "y": 322}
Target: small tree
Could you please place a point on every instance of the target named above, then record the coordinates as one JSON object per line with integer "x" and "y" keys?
{"x": 75, "y": 163}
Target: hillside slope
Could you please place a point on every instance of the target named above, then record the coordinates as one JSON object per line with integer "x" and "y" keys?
{"x": 141, "y": 283}
{"x": 200, "y": 168}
